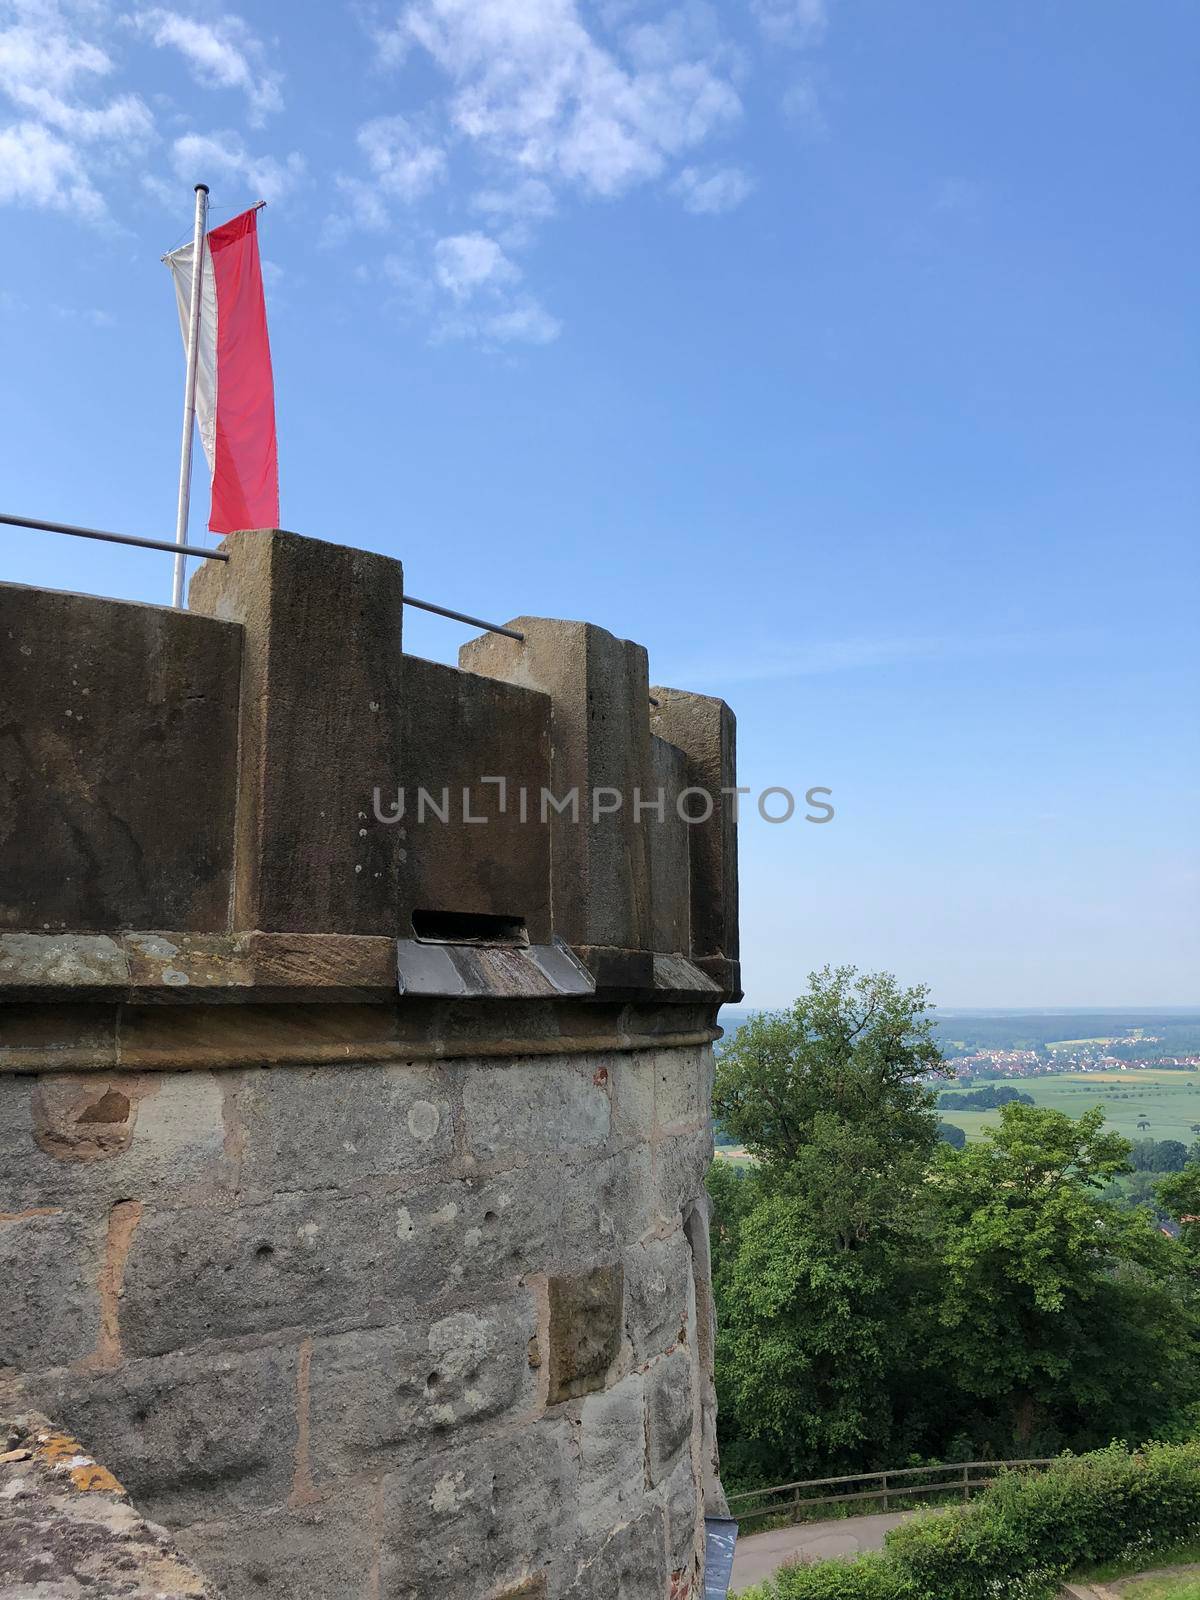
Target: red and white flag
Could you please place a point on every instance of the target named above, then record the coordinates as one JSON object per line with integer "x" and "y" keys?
{"x": 235, "y": 392}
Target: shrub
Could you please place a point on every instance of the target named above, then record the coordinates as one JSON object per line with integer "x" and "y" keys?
{"x": 1023, "y": 1533}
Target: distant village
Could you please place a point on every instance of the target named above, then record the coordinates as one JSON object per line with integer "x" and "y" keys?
{"x": 1087, "y": 1055}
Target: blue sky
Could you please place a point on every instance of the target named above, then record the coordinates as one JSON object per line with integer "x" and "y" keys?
{"x": 842, "y": 353}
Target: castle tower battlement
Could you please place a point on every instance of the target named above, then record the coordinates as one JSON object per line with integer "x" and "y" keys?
{"x": 356, "y": 1023}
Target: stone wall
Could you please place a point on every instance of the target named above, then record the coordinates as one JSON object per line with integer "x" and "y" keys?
{"x": 373, "y": 1260}
{"x": 388, "y": 1328}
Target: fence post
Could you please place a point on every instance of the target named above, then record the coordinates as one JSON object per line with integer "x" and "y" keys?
{"x": 966, "y": 1482}
{"x": 884, "y": 1477}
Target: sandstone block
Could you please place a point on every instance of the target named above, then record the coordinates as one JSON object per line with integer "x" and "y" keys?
{"x": 50, "y": 1264}
{"x": 462, "y": 1521}
{"x": 612, "y": 1452}
{"x": 545, "y": 1106}
{"x": 378, "y": 1395}
{"x": 331, "y": 1126}
{"x": 585, "y": 1330}
{"x": 198, "y": 1436}
{"x": 669, "y": 1411}
{"x": 656, "y": 1280}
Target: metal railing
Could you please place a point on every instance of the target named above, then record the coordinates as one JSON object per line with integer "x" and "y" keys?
{"x": 788, "y": 1499}
{"x": 223, "y": 555}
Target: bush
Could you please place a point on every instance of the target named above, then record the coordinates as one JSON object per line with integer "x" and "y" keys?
{"x": 1023, "y": 1533}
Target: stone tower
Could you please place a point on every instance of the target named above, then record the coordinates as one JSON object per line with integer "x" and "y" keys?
{"x": 354, "y": 1096}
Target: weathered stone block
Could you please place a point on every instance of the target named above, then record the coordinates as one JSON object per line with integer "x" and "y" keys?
{"x": 312, "y": 1128}
{"x": 667, "y": 835}
{"x": 705, "y": 729}
{"x": 669, "y": 1412}
{"x": 585, "y": 1330}
{"x": 458, "y": 729}
{"x": 375, "y": 1395}
{"x": 322, "y": 1551}
{"x": 684, "y": 1515}
{"x": 680, "y": 1164}
{"x": 109, "y": 710}
{"x": 463, "y": 1521}
{"x": 545, "y": 1106}
{"x": 320, "y": 726}
{"x": 601, "y": 742}
{"x": 612, "y": 1453}
{"x": 316, "y": 1261}
{"x": 656, "y": 1283}
{"x": 50, "y": 1264}
{"x": 609, "y": 1202}
{"x": 629, "y": 1564}
{"x": 677, "y": 1076}
{"x": 191, "y": 1437}
{"x": 55, "y": 1144}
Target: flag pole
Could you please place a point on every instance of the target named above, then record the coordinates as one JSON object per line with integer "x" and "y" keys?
{"x": 189, "y": 394}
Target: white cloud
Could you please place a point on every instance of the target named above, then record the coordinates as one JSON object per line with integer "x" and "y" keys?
{"x": 526, "y": 323}
{"x": 44, "y": 70}
{"x": 199, "y": 157}
{"x": 222, "y": 55}
{"x": 792, "y": 22}
{"x": 404, "y": 164}
{"x": 530, "y": 200}
{"x": 537, "y": 93}
{"x": 38, "y": 168}
{"x": 467, "y": 263}
{"x": 706, "y": 191}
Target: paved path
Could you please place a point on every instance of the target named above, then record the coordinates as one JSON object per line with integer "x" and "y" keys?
{"x": 759, "y": 1554}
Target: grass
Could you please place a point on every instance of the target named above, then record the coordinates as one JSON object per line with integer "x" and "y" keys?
{"x": 1163, "y": 1098}
{"x": 1175, "y": 1556}
{"x": 1186, "y": 1587}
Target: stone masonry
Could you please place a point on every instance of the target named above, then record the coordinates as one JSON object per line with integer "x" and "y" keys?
{"x": 352, "y": 1170}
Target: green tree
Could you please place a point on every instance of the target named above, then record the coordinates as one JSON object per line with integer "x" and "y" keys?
{"x": 1052, "y": 1297}
{"x": 819, "y": 1274}
{"x": 1179, "y": 1195}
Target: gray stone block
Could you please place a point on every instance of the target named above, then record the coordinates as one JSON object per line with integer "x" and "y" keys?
{"x": 320, "y": 726}
{"x": 114, "y": 708}
{"x": 547, "y": 1105}
{"x": 612, "y": 1454}
{"x": 656, "y": 1294}
{"x": 669, "y": 1412}
{"x": 316, "y": 1261}
{"x": 684, "y": 1515}
{"x": 669, "y": 841}
{"x": 705, "y": 729}
{"x": 323, "y": 1551}
{"x": 459, "y": 728}
{"x": 600, "y": 741}
{"x": 677, "y": 1087}
{"x": 377, "y": 1396}
{"x": 170, "y": 1140}
{"x": 191, "y": 1437}
{"x": 464, "y": 1522}
{"x": 630, "y": 1563}
{"x": 681, "y": 1162}
{"x": 609, "y": 1202}
{"x": 50, "y": 1264}
{"x": 585, "y": 1330}
{"x": 323, "y": 1126}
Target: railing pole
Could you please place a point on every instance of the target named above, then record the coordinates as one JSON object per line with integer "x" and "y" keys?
{"x": 966, "y": 1482}
{"x": 886, "y": 1502}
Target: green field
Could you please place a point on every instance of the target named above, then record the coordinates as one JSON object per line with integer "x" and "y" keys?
{"x": 1170, "y": 1101}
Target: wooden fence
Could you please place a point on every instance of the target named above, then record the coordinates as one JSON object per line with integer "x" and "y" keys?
{"x": 897, "y": 1484}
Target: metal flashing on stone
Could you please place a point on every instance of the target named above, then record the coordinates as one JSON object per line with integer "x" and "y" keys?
{"x": 490, "y": 972}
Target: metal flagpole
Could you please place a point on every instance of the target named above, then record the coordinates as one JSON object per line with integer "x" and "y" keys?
{"x": 189, "y": 394}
